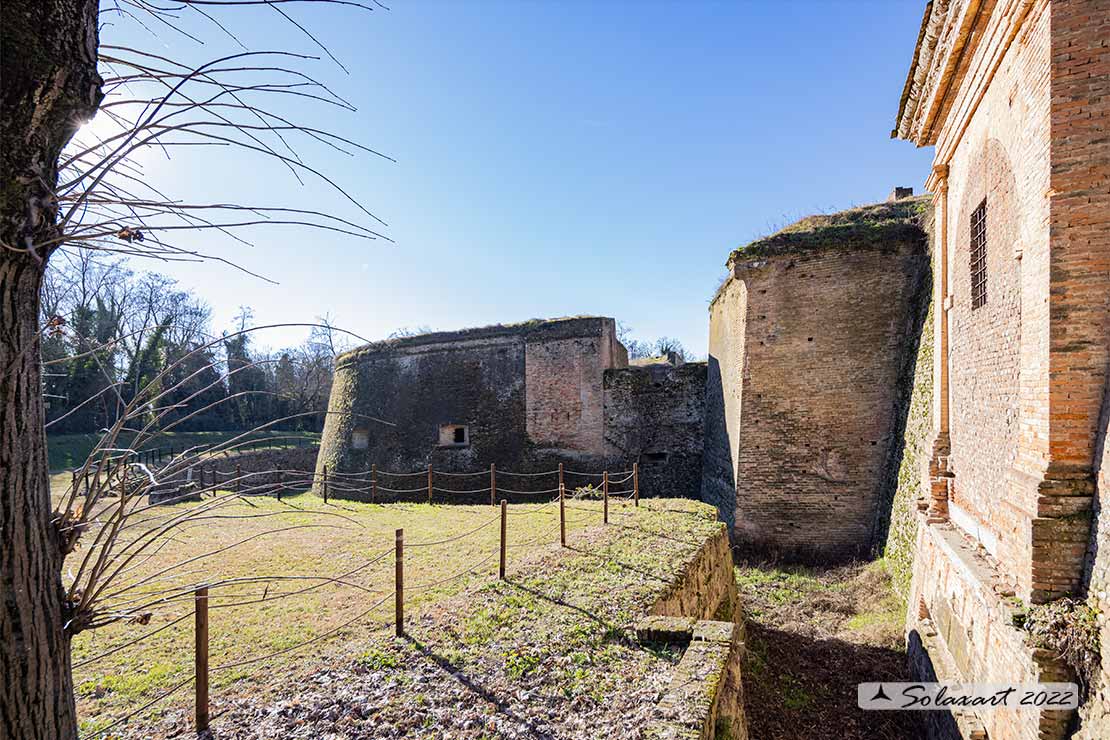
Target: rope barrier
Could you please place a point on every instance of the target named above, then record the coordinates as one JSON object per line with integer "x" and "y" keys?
{"x": 233, "y": 587}
{"x": 527, "y": 493}
{"x": 532, "y": 509}
{"x": 479, "y": 528}
{"x": 152, "y": 702}
{"x": 401, "y": 475}
{"x": 422, "y": 489}
{"x": 470, "y": 490}
{"x": 456, "y": 576}
{"x": 129, "y": 643}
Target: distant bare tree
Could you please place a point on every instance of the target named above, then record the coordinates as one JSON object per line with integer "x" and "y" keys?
{"x": 409, "y": 331}
{"x": 639, "y": 349}
{"x": 64, "y": 189}
{"x": 665, "y": 345}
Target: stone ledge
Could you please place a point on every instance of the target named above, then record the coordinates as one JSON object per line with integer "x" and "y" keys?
{"x": 705, "y": 690}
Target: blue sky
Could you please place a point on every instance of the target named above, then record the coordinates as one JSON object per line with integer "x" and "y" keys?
{"x": 554, "y": 158}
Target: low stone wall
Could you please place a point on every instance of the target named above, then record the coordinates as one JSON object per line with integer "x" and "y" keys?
{"x": 271, "y": 472}
{"x": 706, "y": 587}
{"x": 705, "y": 698}
{"x": 267, "y": 471}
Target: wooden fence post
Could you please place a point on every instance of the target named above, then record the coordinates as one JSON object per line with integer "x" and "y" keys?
{"x": 560, "y": 475}
{"x": 73, "y": 481}
{"x": 373, "y": 481}
{"x": 325, "y": 484}
{"x": 238, "y": 478}
{"x": 562, "y": 516}
{"x": 504, "y": 546}
{"x": 201, "y": 662}
{"x": 636, "y": 483}
{"x": 429, "y": 483}
{"x": 492, "y": 484}
{"x": 399, "y": 576}
{"x": 605, "y": 496}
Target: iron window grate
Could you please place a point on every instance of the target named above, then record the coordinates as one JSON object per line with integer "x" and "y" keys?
{"x": 979, "y": 255}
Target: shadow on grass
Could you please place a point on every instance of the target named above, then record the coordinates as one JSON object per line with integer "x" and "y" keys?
{"x": 798, "y": 686}
{"x": 622, "y": 565}
{"x": 560, "y": 602}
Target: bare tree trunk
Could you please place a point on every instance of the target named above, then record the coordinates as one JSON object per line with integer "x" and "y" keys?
{"x": 37, "y": 698}
{"x": 50, "y": 87}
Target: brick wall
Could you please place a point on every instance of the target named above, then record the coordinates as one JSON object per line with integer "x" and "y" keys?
{"x": 1080, "y": 224}
{"x": 1080, "y": 290}
{"x": 998, "y": 372}
{"x": 723, "y": 393}
{"x": 961, "y": 628}
{"x": 828, "y": 322}
{"x": 1024, "y": 125}
{"x": 959, "y": 618}
{"x": 563, "y": 378}
{"x": 655, "y": 415}
{"x": 909, "y": 465}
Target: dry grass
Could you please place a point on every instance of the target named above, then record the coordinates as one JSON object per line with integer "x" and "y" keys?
{"x": 813, "y": 634}
{"x": 323, "y": 545}
{"x": 549, "y": 652}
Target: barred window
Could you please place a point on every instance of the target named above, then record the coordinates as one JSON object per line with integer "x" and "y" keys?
{"x": 979, "y": 255}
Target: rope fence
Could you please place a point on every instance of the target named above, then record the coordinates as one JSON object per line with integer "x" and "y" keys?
{"x": 191, "y": 474}
{"x": 207, "y": 597}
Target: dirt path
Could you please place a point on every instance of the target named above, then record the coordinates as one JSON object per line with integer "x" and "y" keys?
{"x": 813, "y": 634}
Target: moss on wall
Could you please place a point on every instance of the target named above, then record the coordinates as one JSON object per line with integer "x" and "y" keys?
{"x": 901, "y": 532}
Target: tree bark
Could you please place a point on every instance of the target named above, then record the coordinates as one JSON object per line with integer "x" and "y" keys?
{"x": 50, "y": 87}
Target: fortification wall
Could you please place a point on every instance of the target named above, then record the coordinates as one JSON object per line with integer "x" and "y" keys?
{"x": 528, "y": 396}
{"x": 563, "y": 377}
{"x": 724, "y": 389}
{"x": 831, "y": 311}
{"x": 387, "y": 407}
{"x": 655, "y": 414}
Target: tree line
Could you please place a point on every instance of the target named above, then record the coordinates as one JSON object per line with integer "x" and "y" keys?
{"x": 110, "y": 331}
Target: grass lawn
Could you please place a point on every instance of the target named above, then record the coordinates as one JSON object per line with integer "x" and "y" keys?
{"x": 313, "y": 544}
{"x": 67, "y": 451}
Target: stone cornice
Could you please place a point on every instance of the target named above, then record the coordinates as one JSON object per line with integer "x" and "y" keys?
{"x": 960, "y": 45}
{"x": 938, "y": 65}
